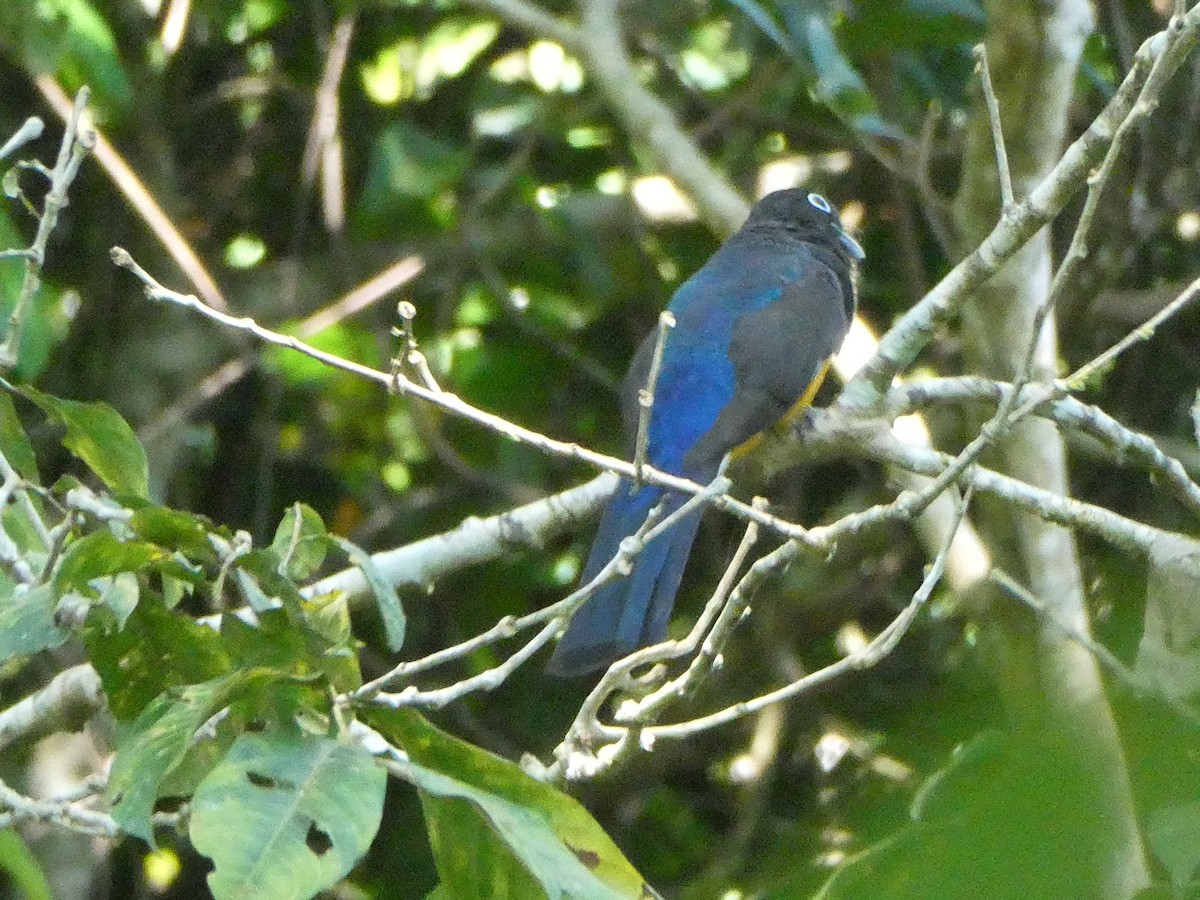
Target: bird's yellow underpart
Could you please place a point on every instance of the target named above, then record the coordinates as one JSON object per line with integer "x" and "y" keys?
{"x": 792, "y": 414}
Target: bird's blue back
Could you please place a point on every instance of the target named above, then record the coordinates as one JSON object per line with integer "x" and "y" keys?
{"x": 697, "y": 376}
{"x": 754, "y": 328}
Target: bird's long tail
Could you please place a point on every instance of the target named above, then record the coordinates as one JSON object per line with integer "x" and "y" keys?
{"x": 629, "y": 612}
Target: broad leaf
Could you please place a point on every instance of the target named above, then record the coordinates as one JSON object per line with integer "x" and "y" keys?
{"x": 101, "y": 553}
{"x": 495, "y": 829}
{"x": 286, "y": 815}
{"x": 174, "y": 529}
{"x": 27, "y": 622}
{"x": 98, "y": 435}
{"x": 300, "y": 542}
{"x": 157, "y": 649}
{"x": 158, "y": 742}
{"x": 13, "y": 441}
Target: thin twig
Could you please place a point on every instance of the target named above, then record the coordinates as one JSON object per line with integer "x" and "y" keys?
{"x": 77, "y": 142}
{"x": 666, "y": 321}
{"x": 993, "y": 111}
{"x": 1124, "y": 444}
{"x": 355, "y": 301}
{"x": 875, "y": 651}
{"x": 31, "y": 129}
{"x": 412, "y": 355}
{"x": 1081, "y": 376}
{"x": 142, "y": 201}
{"x": 401, "y": 384}
{"x": 915, "y": 328}
{"x": 1006, "y": 417}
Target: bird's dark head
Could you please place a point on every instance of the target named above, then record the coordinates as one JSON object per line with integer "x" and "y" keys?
{"x": 809, "y": 214}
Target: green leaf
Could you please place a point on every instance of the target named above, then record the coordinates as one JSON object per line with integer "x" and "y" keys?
{"x": 88, "y": 50}
{"x": 21, "y": 866}
{"x": 14, "y": 443}
{"x": 103, "y": 440}
{"x": 808, "y": 36}
{"x": 120, "y": 595}
{"x": 386, "y": 598}
{"x": 101, "y": 553}
{"x": 331, "y": 640}
{"x": 286, "y": 815}
{"x": 272, "y": 643}
{"x": 156, "y": 650}
{"x": 300, "y": 542}
{"x": 1174, "y": 836}
{"x": 158, "y": 742}
{"x": 495, "y": 831}
{"x": 472, "y": 858}
{"x": 175, "y": 529}
{"x": 27, "y": 622}
{"x": 1002, "y": 818}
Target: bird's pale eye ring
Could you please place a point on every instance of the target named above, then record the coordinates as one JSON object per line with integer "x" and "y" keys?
{"x": 820, "y": 203}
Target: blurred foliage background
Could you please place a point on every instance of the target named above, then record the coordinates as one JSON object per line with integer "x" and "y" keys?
{"x": 549, "y": 244}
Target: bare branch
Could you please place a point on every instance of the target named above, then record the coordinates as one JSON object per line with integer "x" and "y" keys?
{"x": 142, "y": 201}
{"x": 993, "y": 110}
{"x": 1157, "y": 59}
{"x": 375, "y": 288}
{"x": 451, "y": 403}
{"x": 77, "y": 142}
{"x": 31, "y": 129}
{"x": 875, "y": 651}
{"x": 64, "y": 704}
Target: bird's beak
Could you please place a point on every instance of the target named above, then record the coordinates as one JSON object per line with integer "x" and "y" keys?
{"x": 853, "y": 247}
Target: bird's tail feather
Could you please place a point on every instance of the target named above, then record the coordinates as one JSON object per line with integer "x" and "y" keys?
{"x": 629, "y": 612}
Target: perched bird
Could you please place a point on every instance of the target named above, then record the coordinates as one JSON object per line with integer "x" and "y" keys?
{"x": 755, "y": 329}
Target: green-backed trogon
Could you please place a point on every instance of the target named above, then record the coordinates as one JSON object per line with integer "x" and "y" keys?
{"x": 755, "y": 328}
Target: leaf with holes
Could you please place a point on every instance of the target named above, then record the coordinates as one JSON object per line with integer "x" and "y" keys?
{"x": 158, "y": 742}
{"x": 497, "y": 832}
{"x": 286, "y": 814}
